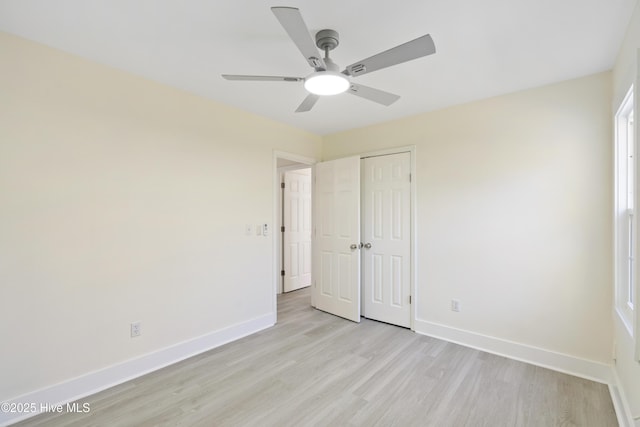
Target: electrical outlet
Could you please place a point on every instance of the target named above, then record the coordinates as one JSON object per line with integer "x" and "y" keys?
{"x": 136, "y": 329}
{"x": 455, "y": 305}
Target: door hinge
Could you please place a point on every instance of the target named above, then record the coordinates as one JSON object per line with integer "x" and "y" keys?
{"x": 409, "y": 177}
{"x": 282, "y": 272}
{"x": 282, "y": 185}
{"x": 282, "y": 228}
{"x": 409, "y": 299}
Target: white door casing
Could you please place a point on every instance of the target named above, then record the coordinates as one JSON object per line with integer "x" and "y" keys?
{"x": 386, "y": 227}
{"x": 297, "y": 226}
{"x": 336, "y": 263}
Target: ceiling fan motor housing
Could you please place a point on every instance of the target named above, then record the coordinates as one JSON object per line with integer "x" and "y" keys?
{"x": 327, "y": 80}
{"x": 331, "y": 66}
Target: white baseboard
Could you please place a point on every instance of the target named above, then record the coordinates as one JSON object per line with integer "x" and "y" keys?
{"x": 596, "y": 371}
{"x": 620, "y": 403}
{"x": 99, "y": 380}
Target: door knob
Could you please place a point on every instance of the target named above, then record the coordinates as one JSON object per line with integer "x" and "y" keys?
{"x": 354, "y": 247}
{"x": 367, "y": 245}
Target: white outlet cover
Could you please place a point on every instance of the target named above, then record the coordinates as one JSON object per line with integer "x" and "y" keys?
{"x": 136, "y": 329}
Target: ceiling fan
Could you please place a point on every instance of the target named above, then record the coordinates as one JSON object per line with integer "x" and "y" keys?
{"x": 326, "y": 79}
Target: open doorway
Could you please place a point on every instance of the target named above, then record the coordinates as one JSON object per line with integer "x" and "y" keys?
{"x": 292, "y": 222}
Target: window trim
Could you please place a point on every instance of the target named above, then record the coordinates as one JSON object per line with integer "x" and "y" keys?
{"x": 625, "y": 226}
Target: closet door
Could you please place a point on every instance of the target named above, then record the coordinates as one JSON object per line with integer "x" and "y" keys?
{"x": 386, "y": 234}
{"x": 336, "y": 287}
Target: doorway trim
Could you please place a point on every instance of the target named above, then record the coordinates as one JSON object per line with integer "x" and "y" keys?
{"x": 275, "y": 219}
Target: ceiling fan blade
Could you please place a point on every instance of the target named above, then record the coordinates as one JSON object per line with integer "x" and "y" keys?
{"x": 422, "y": 46}
{"x": 262, "y": 78}
{"x": 375, "y": 95}
{"x": 291, "y": 19}
{"x": 308, "y": 103}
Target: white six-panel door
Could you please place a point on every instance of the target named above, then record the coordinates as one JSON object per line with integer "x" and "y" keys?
{"x": 336, "y": 287}
{"x": 386, "y": 263}
{"x": 297, "y": 229}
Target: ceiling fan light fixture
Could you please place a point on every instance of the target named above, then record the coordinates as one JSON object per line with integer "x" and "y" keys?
{"x": 326, "y": 83}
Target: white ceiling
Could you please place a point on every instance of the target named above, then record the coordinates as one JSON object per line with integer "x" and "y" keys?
{"x": 484, "y": 48}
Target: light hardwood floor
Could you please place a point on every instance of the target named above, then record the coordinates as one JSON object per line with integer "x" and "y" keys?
{"x": 316, "y": 369}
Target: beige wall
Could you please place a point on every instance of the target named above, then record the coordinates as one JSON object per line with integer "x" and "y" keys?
{"x": 123, "y": 200}
{"x": 513, "y": 214}
{"x": 625, "y": 74}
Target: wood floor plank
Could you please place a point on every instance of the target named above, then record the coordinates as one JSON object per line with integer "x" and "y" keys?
{"x": 314, "y": 369}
